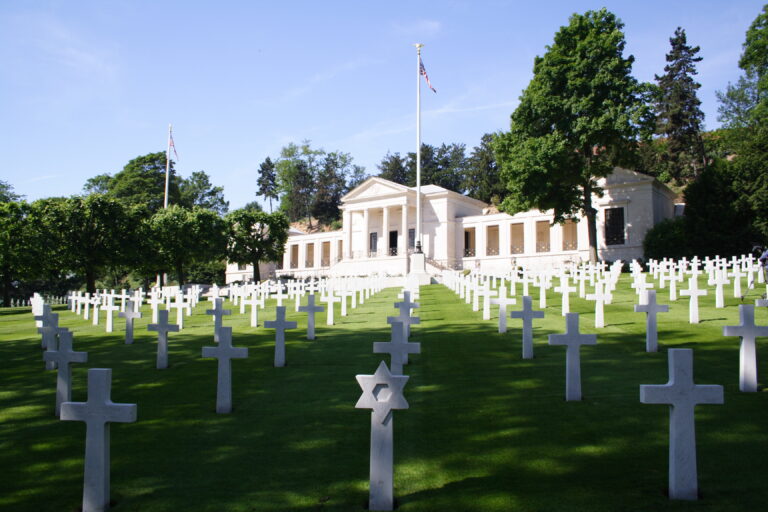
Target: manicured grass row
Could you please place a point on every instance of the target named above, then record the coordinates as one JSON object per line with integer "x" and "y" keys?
{"x": 485, "y": 431}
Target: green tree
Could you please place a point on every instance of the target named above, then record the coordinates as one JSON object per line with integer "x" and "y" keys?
{"x": 142, "y": 182}
{"x": 255, "y": 236}
{"x": 737, "y": 103}
{"x": 86, "y": 235}
{"x": 754, "y": 60}
{"x": 99, "y": 184}
{"x": 6, "y": 192}
{"x": 330, "y": 186}
{"x": 678, "y": 114}
{"x": 393, "y": 167}
{"x": 16, "y": 246}
{"x": 184, "y": 237}
{"x": 482, "y": 179}
{"x": 267, "y": 181}
{"x": 356, "y": 176}
{"x": 297, "y": 170}
{"x": 578, "y": 118}
{"x": 197, "y": 190}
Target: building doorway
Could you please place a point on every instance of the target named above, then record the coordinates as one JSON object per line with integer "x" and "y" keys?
{"x": 393, "y": 243}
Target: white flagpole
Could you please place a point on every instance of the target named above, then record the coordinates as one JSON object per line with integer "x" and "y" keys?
{"x": 418, "y": 146}
{"x": 167, "y": 166}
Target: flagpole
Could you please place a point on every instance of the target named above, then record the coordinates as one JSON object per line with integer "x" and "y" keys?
{"x": 167, "y": 166}
{"x": 418, "y": 147}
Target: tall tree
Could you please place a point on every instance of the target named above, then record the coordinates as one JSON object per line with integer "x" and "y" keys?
{"x": 330, "y": 186}
{"x": 678, "y": 114}
{"x": 393, "y": 167}
{"x": 142, "y": 182}
{"x": 737, "y": 103}
{"x": 186, "y": 236}
{"x": 197, "y": 190}
{"x": 356, "y": 176}
{"x": 6, "y": 192}
{"x": 754, "y": 61}
{"x": 297, "y": 170}
{"x": 577, "y": 119}
{"x": 16, "y": 245}
{"x": 267, "y": 181}
{"x": 254, "y": 236}
{"x": 87, "y": 234}
{"x": 482, "y": 179}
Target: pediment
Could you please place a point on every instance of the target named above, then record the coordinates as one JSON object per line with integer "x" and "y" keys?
{"x": 373, "y": 188}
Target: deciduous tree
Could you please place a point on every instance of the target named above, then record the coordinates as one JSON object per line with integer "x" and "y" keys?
{"x": 254, "y": 236}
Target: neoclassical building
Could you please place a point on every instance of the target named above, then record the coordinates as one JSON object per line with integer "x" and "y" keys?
{"x": 379, "y": 229}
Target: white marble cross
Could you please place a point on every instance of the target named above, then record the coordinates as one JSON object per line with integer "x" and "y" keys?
{"x": 748, "y": 331}
{"x": 49, "y": 331}
{"x": 330, "y": 299}
{"x": 97, "y": 413}
{"x": 405, "y": 307}
{"x": 162, "y": 328}
{"x": 600, "y": 298}
{"x": 720, "y": 280}
{"x": 487, "y": 295}
{"x": 527, "y": 314}
{"x": 382, "y": 392}
{"x": 565, "y": 289}
{"x": 129, "y": 316}
{"x": 543, "y": 284}
{"x": 682, "y": 395}
{"x": 573, "y": 340}
{"x": 651, "y": 329}
{"x": 280, "y": 325}
{"x": 280, "y": 296}
{"x": 736, "y": 274}
{"x": 154, "y": 300}
{"x": 694, "y": 293}
{"x": 63, "y": 356}
{"x": 503, "y": 301}
{"x": 179, "y": 305}
{"x": 254, "y": 301}
{"x": 398, "y": 348}
{"x": 404, "y": 321}
{"x": 225, "y": 352}
{"x": 218, "y": 312}
{"x": 310, "y": 309}
{"x": 641, "y": 287}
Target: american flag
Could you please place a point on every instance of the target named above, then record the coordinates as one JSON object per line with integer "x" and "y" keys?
{"x": 171, "y": 145}
{"x": 423, "y": 72}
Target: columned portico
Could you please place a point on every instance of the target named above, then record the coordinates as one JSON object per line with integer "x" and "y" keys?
{"x": 385, "y": 230}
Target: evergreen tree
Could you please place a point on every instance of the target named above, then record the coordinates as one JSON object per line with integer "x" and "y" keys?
{"x": 393, "y": 168}
{"x": 297, "y": 170}
{"x": 678, "y": 116}
{"x": 330, "y": 187}
{"x": 267, "y": 181}
{"x": 482, "y": 178}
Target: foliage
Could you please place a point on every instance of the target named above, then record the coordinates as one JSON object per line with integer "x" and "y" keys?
{"x": 142, "y": 182}
{"x": 208, "y": 272}
{"x": 6, "y": 193}
{"x": 579, "y": 117}
{"x": 443, "y": 166}
{"x": 679, "y": 118}
{"x": 254, "y": 236}
{"x": 482, "y": 178}
{"x": 393, "y": 167}
{"x": 754, "y": 61}
{"x": 667, "y": 239}
{"x": 184, "y": 237}
{"x": 16, "y": 245}
{"x": 737, "y": 103}
{"x": 267, "y": 181}
{"x": 85, "y": 234}
{"x": 296, "y": 173}
{"x": 330, "y": 186}
{"x": 197, "y": 190}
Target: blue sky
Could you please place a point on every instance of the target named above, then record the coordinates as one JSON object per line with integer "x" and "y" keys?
{"x": 85, "y": 86}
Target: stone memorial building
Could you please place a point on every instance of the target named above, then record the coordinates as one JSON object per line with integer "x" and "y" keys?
{"x": 378, "y": 231}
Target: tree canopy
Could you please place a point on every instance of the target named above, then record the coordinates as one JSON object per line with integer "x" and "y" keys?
{"x": 255, "y": 236}
{"x": 579, "y": 117}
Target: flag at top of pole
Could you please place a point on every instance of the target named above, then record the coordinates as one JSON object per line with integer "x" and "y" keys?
{"x": 423, "y": 72}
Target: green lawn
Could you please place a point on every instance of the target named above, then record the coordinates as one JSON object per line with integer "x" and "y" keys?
{"x": 486, "y": 431}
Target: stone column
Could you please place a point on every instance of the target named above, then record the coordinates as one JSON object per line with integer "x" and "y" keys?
{"x": 402, "y": 249}
{"x": 366, "y": 234}
{"x": 302, "y": 256}
{"x": 385, "y": 230}
{"x": 347, "y": 236}
{"x": 504, "y": 239}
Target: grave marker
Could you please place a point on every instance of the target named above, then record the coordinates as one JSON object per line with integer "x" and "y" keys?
{"x": 527, "y": 314}
{"x": 63, "y": 356}
{"x": 162, "y": 328}
{"x": 129, "y": 316}
{"x": 748, "y": 331}
{"x": 225, "y": 352}
{"x": 398, "y": 348}
{"x": 651, "y": 309}
{"x": 382, "y": 392}
{"x": 218, "y": 311}
{"x": 97, "y": 413}
{"x": 280, "y": 325}
{"x": 310, "y": 309}
{"x": 573, "y": 340}
{"x": 682, "y": 395}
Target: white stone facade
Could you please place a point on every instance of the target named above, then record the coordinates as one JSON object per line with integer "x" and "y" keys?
{"x": 379, "y": 217}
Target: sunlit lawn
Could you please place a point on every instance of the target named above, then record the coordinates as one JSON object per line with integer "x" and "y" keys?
{"x": 486, "y": 430}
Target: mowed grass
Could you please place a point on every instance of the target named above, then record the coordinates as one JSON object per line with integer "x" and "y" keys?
{"x": 486, "y": 430}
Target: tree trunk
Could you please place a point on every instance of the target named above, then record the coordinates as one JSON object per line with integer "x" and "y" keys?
{"x": 6, "y": 288}
{"x": 180, "y": 273}
{"x": 591, "y": 215}
{"x": 256, "y": 272}
{"x": 90, "y": 280}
